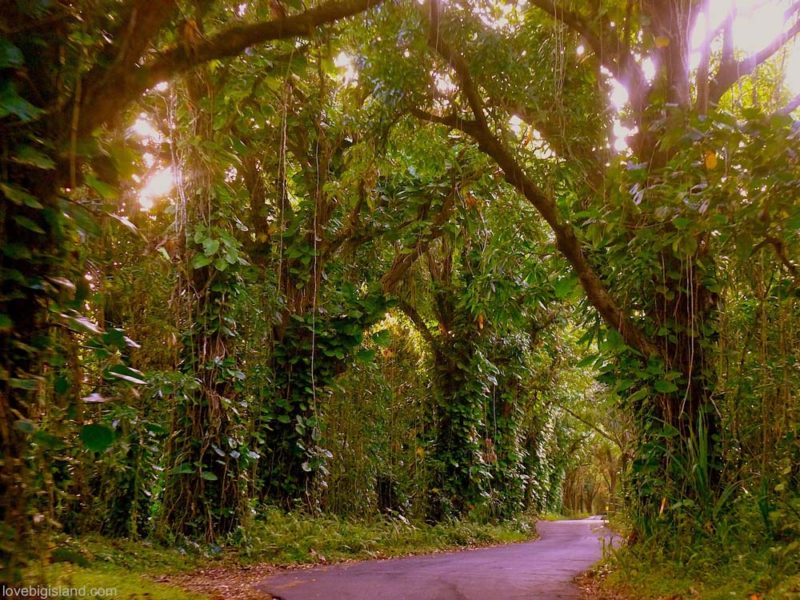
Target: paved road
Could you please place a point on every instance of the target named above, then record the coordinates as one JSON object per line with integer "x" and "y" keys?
{"x": 542, "y": 569}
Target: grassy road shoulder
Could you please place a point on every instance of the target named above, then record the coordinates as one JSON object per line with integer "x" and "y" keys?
{"x": 188, "y": 571}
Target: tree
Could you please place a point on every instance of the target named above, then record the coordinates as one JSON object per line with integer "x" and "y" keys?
{"x": 61, "y": 84}
{"x": 664, "y": 333}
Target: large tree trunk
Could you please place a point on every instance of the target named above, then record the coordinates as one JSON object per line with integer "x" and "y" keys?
{"x": 207, "y": 501}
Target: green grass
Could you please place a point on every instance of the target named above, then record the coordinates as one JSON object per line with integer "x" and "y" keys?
{"x": 285, "y": 539}
{"x": 706, "y": 569}
{"x": 566, "y": 516}
{"x": 125, "y": 566}
{"x": 277, "y": 538}
{"x": 112, "y": 582}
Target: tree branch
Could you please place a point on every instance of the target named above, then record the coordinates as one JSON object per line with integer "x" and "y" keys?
{"x": 612, "y": 52}
{"x": 780, "y": 252}
{"x": 731, "y": 71}
{"x": 791, "y": 106}
{"x": 419, "y": 324}
{"x": 456, "y": 62}
{"x": 591, "y": 425}
{"x": 142, "y": 22}
{"x": 106, "y": 106}
{"x": 403, "y": 262}
{"x": 566, "y": 240}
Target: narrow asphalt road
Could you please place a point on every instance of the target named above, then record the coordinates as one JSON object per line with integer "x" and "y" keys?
{"x": 540, "y": 569}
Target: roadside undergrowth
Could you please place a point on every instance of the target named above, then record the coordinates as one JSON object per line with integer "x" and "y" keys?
{"x": 146, "y": 569}
{"x": 739, "y": 559}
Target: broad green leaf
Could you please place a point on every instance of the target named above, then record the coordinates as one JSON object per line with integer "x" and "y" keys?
{"x": 105, "y": 191}
{"x": 126, "y": 223}
{"x": 365, "y": 355}
{"x": 61, "y": 385}
{"x": 28, "y": 155}
{"x": 564, "y": 287}
{"x": 81, "y": 323}
{"x": 85, "y": 220}
{"x": 16, "y": 251}
{"x": 681, "y": 222}
{"x": 127, "y": 374}
{"x": 96, "y": 438}
{"x": 24, "y": 384}
{"x": 24, "y": 425}
{"x": 48, "y": 440}
{"x": 10, "y": 55}
{"x": 210, "y": 246}
{"x": 200, "y": 260}
{"x": 11, "y": 103}
{"x": 28, "y": 224}
{"x": 665, "y": 387}
{"x": 382, "y": 338}
{"x": 19, "y": 196}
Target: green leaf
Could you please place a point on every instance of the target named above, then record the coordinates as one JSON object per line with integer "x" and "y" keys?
{"x": 6, "y": 324}
{"x": 105, "y": 191}
{"x": 10, "y": 55}
{"x": 640, "y": 394}
{"x": 208, "y": 476}
{"x": 61, "y": 385}
{"x": 125, "y": 222}
{"x": 16, "y": 251}
{"x": 12, "y": 103}
{"x": 24, "y": 425}
{"x": 382, "y": 338}
{"x": 210, "y": 246}
{"x": 681, "y": 222}
{"x": 48, "y": 440}
{"x": 127, "y": 374}
{"x": 28, "y": 155}
{"x": 200, "y": 260}
{"x": 665, "y": 387}
{"x": 586, "y": 361}
{"x": 183, "y": 469}
{"x": 28, "y": 224}
{"x": 81, "y": 323}
{"x": 96, "y": 437}
{"x": 365, "y": 355}
{"x": 24, "y": 384}
{"x": 564, "y": 287}
{"x": 84, "y": 219}
{"x": 793, "y": 222}
{"x": 19, "y": 196}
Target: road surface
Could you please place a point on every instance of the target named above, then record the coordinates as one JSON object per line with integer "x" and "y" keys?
{"x": 540, "y": 569}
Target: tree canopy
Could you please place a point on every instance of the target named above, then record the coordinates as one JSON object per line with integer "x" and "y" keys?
{"x": 428, "y": 259}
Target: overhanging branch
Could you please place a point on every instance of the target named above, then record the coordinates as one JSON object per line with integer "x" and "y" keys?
{"x": 566, "y": 240}
{"x": 612, "y": 52}
{"x": 731, "y": 71}
{"x": 791, "y": 106}
{"x": 103, "y": 108}
{"x": 419, "y": 324}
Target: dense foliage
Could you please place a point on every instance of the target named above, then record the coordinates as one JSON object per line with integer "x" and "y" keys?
{"x": 383, "y": 258}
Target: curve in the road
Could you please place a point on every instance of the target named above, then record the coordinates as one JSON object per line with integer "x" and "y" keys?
{"x": 541, "y": 569}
